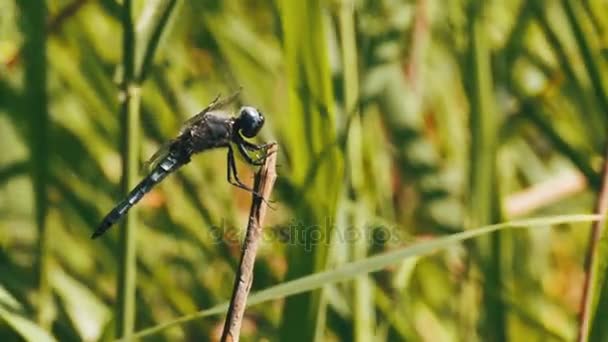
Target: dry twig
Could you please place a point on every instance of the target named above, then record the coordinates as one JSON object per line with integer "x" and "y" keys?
{"x": 592, "y": 258}
{"x": 264, "y": 182}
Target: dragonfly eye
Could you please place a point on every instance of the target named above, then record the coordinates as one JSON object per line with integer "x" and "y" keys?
{"x": 249, "y": 122}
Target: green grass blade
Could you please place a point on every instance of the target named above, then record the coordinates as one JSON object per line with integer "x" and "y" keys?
{"x": 598, "y": 330}
{"x": 309, "y": 133}
{"x": 15, "y": 169}
{"x": 592, "y": 63}
{"x": 139, "y": 45}
{"x": 368, "y": 265}
{"x": 151, "y": 27}
{"x": 483, "y": 206}
{"x": 29, "y": 330}
{"x": 11, "y": 313}
{"x": 129, "y": 107}
{"x": 568, "y": 67}
{"x": 598, "y": 252}
{"x": 7, "y": 95}
{"x": 35, "y": 104}
{"x": 595, "y": 329}
{"x": 535, "y": 114}
{"x": 76, "y": 297}
{"x": 362, "y": 295}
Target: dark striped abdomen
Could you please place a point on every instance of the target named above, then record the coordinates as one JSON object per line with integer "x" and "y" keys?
{"x": 169, "y": 164}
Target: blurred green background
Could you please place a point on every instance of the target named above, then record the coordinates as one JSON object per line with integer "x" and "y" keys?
{"x": 398, "y": 121}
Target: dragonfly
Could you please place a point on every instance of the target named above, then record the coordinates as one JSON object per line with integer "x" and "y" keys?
{"x": 211, "y": 128}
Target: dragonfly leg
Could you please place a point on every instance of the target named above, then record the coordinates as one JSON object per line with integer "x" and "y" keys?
{"x": 231, "y": 172}
{"x": 261, "y": 147}
{"x": 255, "y": 147}
{"x": 258, "y": 161}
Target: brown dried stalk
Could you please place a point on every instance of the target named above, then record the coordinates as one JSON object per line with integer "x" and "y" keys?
{"x": 592, "y": 258}
{"x": 264, "y": 182}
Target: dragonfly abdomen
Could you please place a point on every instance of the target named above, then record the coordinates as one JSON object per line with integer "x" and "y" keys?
{"x": 169, "y": 164}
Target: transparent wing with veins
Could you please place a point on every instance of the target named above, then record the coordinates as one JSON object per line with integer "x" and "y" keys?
{"x": 217, "y": 103}
{"x": 157, "y": 157}
{"x": 163, "y": 151}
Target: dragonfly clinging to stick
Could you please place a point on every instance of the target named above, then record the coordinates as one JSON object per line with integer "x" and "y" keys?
{"x": 210, "y": 128}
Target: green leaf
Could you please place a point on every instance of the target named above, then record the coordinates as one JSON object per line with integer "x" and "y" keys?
{"x": 370, "y": 264}
{"x": 9, "y": 312}
{"x": 310, "y": 134}
{"x": 154, "y": 22}
{"x": 87, "y": 312}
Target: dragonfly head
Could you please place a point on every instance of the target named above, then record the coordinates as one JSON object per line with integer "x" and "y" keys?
{"x": 249, "y": 122}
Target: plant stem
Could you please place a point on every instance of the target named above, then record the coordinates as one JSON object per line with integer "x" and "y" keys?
{"x": 35, "y": 103}
{"x": 362, "y": 296}
{"x": 264, "y": 182}
{"x": 592, "y": 262}
{"x": 483, "y": 195}
{"x": 139, "y": 47}
{"x": 311, "y": 132}
{"x": 130, "y": 103}
{"x": 591, "y": 63}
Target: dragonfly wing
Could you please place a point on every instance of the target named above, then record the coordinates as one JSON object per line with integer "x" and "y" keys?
{"x": 220, "y": 102}
{"x": 157, "y": 157}
{"x": 216, "y": 104}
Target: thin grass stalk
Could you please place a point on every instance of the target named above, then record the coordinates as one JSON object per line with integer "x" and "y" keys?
{"x": 596, "y": 261}
{"x": 596, "y": 15}
{"x": 139, "y": 46}
{"x": 363, "y": 303}
{"x": 516, "y": 41}
{"x": 129, "y": 108}
{"x": 311, "y": 145}
{"x": 534, "y": 113}
{"x": 155, "y": 22}
{"x": 385, "y": 304}
{"x": 130, "y": 157}
{"x": 596, "y": 254}
{"x": 593, "y": 121}
{"x": 370, "y": 264}
{"x": 592, "y": 62}
{"x": 483, "y": 196}
{"x": 599, "y": 328}
{"x": 13, "y": 170}
{"x": 35, "y": 104}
